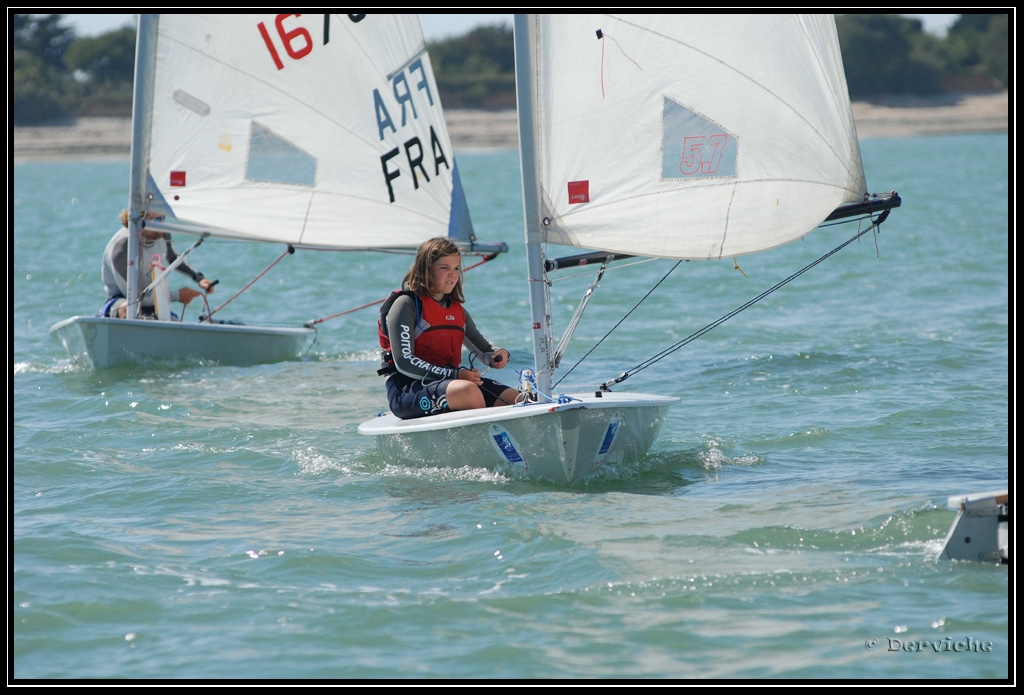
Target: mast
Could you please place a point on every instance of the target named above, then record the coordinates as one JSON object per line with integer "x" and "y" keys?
{"x": 142, "y": 113}
{"x": 540, "y": 296}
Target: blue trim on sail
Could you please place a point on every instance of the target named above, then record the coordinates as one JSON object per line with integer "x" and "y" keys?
{"x": 460, "y": 226}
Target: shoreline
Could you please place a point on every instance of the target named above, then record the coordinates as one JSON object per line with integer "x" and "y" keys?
{"x": 471, "y": 129}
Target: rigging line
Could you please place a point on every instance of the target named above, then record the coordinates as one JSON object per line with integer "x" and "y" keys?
{"x": 714, "y": 324}
{"x": 181, "y": 319}
{"x": 290, "y": 250}
{"x": 642, "y": 299}
{"x": 313, "y": 322}
{"x": 603, "y": 35}
{"x": 622, "y": 266}
{"x": 206, "y": 306}
{"x": 570, "y": 329}
{"x": 177, "y": 261}
{"x": 310, "y": 324}
{"x": 747, "y": 305}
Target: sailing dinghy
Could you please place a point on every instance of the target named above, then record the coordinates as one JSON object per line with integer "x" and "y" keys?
{"x": 316, "y": 131}
{"x": 698, "y": 137}
{"x": 980, "y": 532}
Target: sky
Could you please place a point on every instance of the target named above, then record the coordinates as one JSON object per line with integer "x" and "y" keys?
{"x": 435, "y": 26}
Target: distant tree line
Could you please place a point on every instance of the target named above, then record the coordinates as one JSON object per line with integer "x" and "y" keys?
{"x": 891, "y": 54}
{"x": 477, "y": 69}
{"x": 55, "y": 75}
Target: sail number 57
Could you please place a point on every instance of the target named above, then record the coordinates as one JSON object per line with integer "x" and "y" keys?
{"x": 702, "y": 154}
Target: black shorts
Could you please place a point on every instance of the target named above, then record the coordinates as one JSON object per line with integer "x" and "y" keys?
{"x": 411, "y": 398}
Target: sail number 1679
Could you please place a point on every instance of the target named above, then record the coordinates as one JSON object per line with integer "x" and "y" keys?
{"x": 297, "y": 42}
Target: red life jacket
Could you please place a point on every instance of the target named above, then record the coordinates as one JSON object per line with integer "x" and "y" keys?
{"x": 439, "y": 343}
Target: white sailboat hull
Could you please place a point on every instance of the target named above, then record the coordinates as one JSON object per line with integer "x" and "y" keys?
{"x": 980, "y": 531}
{"x": 564, "y": 443}
{"x": 105, "y": 342}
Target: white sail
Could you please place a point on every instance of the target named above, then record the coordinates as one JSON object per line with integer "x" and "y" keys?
{"x": 689, "y": 136}
{"x": 310, "y": 129}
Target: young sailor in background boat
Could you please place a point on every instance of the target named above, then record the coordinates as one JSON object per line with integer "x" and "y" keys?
{"x": 115, "y": 271}
{"x": 422, "y": 330}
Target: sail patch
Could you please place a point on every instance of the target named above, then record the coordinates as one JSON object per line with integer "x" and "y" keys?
{"x": 579, "y": 192}
{"x": 694, "y": 147}
{"x": 274, "y": 159}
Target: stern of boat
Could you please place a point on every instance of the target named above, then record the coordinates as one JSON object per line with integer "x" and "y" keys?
{"x": 980, "y": 531}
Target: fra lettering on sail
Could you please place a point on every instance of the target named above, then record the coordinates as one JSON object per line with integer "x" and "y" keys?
{"x": 408, "y": 85}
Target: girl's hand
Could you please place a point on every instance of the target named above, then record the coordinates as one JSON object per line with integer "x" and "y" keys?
{"x": 186, "y": 294}
{"x": 471, "y": 375}
{"x": 500, "y": 358}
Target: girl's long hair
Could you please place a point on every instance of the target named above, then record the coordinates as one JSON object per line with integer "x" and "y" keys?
{"x": 418, "y": 277}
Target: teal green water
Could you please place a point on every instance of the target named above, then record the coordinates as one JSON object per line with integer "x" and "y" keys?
{"x": 194, "y": 521}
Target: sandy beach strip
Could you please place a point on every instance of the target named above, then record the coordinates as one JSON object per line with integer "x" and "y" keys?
{"x": 949, "y": 113}
{"x": 479, "y": 129}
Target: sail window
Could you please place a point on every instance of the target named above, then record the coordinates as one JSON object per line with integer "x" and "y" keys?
{"x": 694, "y": 147}
{"x": 274, "y": 159}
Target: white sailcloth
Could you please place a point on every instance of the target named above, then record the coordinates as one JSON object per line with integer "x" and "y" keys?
{"x": 315, "y": 130}
{"x": 690, "y": 136}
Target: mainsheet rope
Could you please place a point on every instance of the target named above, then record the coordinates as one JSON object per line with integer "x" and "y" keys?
{"x": 626, "y": 316}
{"x": 290, "y": 250}
{"x": 876, "y": 224}
{"x": 310, "y": 324}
